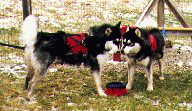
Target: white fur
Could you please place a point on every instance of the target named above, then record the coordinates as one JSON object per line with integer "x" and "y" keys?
{"x": 29, "y": 30}
{"x": 115, "y": 48}
{"x": 131, "y": 71}
{"x": 102, "y": 58}
{"x": 132, "y": 49}
{"x": 149, "y": 73}
{"x": 144, "y": 62}
{"x": 110, "y": 46}
{"x": 128, "y": 41}
{"x": 127, "y": 49}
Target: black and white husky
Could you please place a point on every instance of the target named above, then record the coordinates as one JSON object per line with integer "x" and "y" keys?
{"x": 43, "y": 48}
{"x": 142, "y": 47}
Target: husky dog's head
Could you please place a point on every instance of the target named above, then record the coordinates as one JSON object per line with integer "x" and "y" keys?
{"x": 104, "y": 37}
{"x": 132, "y": 41}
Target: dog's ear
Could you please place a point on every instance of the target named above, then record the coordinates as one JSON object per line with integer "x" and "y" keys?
{"x": 118, "y": 25}
{"x": 138, "y": 32}
{"x": 108, "y": 31}
{"x": 128, "y": 28}
{"x": 90, "y": 32}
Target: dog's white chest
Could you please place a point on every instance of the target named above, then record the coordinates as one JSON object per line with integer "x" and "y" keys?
{"x": 102, "y": 58}
{"x": 143, "y": 62}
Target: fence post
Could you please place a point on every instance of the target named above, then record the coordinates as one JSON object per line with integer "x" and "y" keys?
{"x": 160, "y": 13}
{"x": 178, "y": 14}
{"x": 146, "y": 11}
{"x": 26, "y": 8}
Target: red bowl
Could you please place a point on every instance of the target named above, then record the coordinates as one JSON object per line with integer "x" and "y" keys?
{"x": 116, "y": 89}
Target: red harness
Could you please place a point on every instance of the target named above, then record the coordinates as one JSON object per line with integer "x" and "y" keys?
{"x": 124, "y": 29}
{"x": 152, "y": 42}
{"x": 72, "y": 42}
{"x": 80, "y": 37}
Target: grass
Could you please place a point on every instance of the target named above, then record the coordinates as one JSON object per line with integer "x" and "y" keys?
{"x": 9, "y": 36}
{"x": 72, "y": 88}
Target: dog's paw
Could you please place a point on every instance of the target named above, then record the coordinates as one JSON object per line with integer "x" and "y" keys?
{"x": 31, "y": 99}
{"x": 128, "y": 87}
{"x": 102, "y": 94}
{"x": 150, "y": 89}
{"x": 27, "y": 98}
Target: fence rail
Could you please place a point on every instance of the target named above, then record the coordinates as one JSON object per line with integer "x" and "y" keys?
{"x": 177, "y": 32}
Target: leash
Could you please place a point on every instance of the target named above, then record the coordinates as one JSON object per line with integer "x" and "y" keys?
{"x": 81, "y": 42}
{"x": 13, "y": 46}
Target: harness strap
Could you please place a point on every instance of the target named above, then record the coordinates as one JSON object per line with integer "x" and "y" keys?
{"x": 81, "y": 42}
{"x": 76, "y": 42}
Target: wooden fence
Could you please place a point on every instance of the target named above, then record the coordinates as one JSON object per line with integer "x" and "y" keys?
{"x": 175, "y": 32}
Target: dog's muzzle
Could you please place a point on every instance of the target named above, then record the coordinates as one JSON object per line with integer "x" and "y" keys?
{"x": 126, "y": 50}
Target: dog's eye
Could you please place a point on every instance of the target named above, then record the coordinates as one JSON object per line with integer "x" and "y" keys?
{"x": 124, "y": 40}
{"x": 128, "y": 42}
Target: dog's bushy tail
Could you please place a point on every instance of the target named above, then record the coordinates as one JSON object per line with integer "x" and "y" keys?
{"x": 29, "y": 30}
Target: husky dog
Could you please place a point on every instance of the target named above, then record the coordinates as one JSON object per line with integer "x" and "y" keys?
{"x": 142, "y": 47}
{"x": 101, "y": 40}
{"x": 43, "y": 48}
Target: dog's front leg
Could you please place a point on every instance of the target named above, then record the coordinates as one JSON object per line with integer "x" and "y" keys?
{"x": 131, "y": 71}
{"x": 101, "y": 59}
{"x": 97, "y": 78}
{"x": 149, "y": 72}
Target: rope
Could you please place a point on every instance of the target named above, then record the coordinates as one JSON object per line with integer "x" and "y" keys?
{"x": 13, "y": 46}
